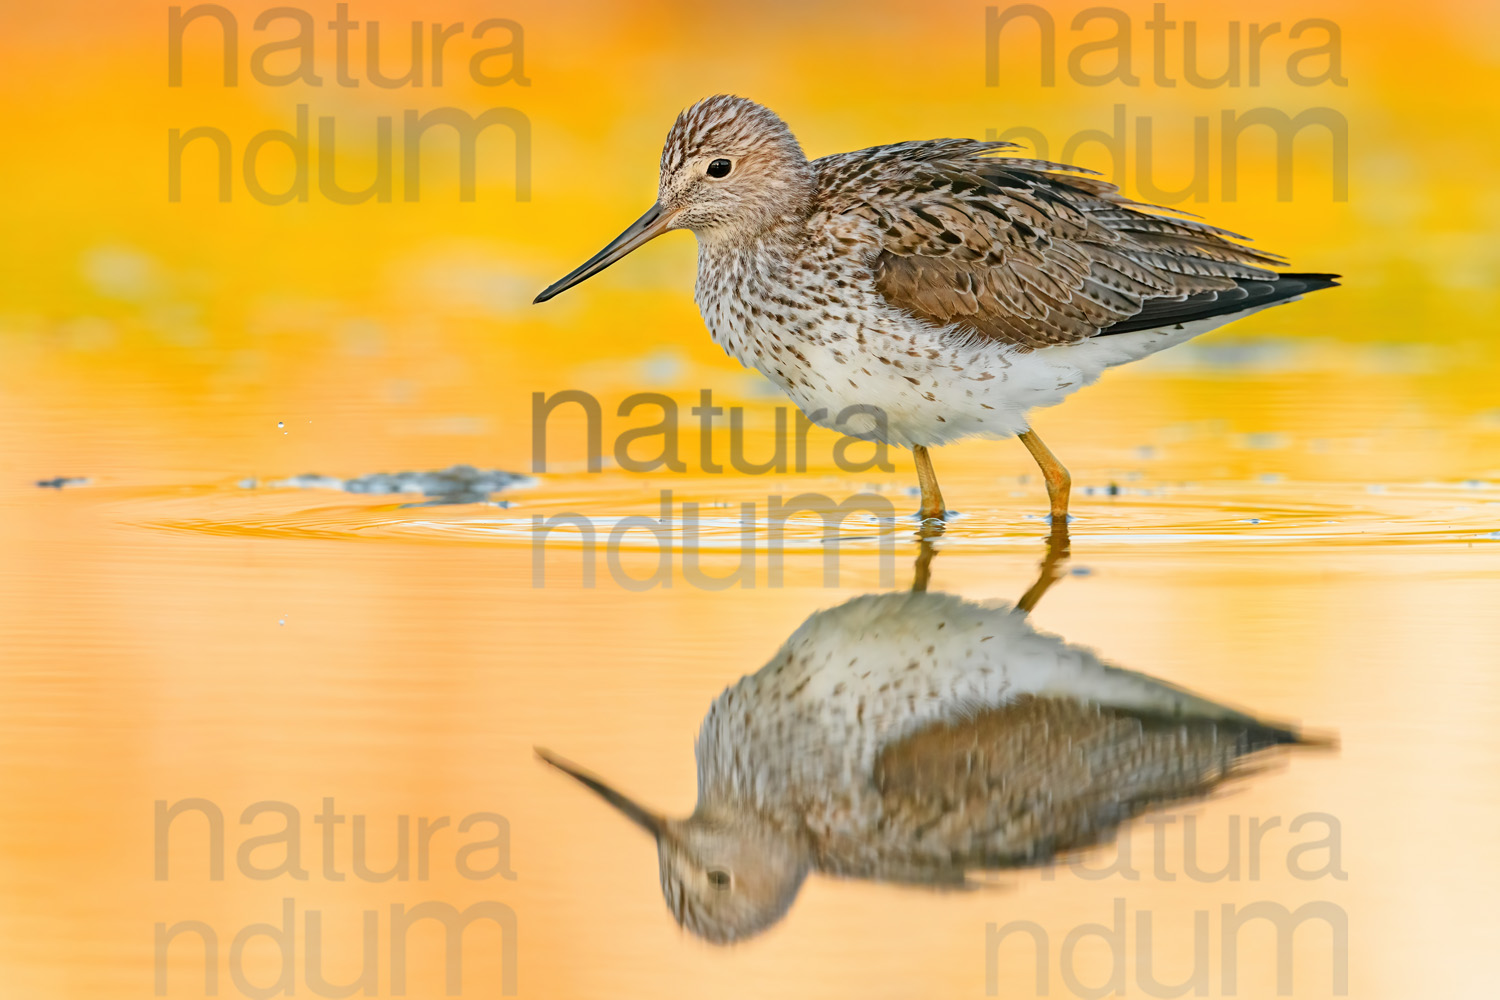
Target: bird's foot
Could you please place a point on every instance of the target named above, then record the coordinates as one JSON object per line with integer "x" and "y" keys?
{"x": 930, "y": 528}
{"x": 936, "y": 517}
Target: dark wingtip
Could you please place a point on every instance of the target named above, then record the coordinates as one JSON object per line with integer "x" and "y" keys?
{"x": 1315, "y": 740}
{"x": 1314, "y": 282}
{"x": 1253, "y": 293}
{"x": 1280, "y": 734}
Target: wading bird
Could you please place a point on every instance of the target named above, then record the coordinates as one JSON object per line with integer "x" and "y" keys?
{"x": 926, "y": 291}
{"x": 917, "y": 738}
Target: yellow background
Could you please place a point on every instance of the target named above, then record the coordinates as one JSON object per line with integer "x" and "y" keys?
{"x": 154, "y": 347}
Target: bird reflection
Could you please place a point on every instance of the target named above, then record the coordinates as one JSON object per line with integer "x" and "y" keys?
{"x": 917, "y": 737}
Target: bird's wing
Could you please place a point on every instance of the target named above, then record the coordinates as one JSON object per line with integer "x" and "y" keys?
{"x": 1022, "y": 251}
{"x": 1019, "y": 784}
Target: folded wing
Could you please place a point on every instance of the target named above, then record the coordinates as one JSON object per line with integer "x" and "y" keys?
{"x": 1025, "y": 251}
{"x": 1019, "y": 784}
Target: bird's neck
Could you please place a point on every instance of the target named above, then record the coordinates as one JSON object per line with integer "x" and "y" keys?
{"x": 774, "y": 230}
{"x": 781, "y": 237}
{"x": 747, "y": 818}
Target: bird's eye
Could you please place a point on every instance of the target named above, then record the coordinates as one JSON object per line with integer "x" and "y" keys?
{"x": 719, "y": 168}
{"x": 719, "y": 878}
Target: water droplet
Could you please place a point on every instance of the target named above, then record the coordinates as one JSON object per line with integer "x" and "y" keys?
{"x": 280, "y": 423}
{"x": 281, "y": 621}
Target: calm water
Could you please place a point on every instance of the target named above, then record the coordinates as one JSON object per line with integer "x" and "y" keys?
{"x": 1296, "y": 515}
{"x": 1314, "y": 540}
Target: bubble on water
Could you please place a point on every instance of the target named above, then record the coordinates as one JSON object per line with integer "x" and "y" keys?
{"x": 281, "y": 621}
{"x": 458, "y": 484}
{"x": 663, "y": 367}
{"x": 280, "y": 424}
{"x": 1264, "y": 441}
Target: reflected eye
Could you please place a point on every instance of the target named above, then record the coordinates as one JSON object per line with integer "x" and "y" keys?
{"x": 719, "y": 168}
{"x": 719, "y": 879}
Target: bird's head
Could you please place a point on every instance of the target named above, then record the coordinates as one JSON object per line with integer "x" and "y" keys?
{"x": 730, "y": 171}
{"x": 731, "y": 168}
{"x": 725, "y": 877}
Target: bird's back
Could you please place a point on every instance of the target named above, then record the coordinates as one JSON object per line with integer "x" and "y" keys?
{"x": 1039, "y": 777}
{"x": 1034, "y": 253}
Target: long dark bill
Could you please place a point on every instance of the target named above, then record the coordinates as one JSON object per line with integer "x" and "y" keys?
{"x": 643, "y": 817}
{"x": 640, "y": 232}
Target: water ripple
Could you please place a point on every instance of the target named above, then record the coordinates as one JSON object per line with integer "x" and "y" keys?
{"x": 708, "y": 514}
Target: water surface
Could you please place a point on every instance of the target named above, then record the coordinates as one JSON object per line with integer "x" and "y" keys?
{"x": 171, "y": 630}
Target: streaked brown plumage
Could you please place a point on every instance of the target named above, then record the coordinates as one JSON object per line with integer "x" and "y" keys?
{"x": 922, "y": 292}
{"x": 1045, "y": 776}
{"x": 919, "y": 738}
{"x": 1024, "y": 251}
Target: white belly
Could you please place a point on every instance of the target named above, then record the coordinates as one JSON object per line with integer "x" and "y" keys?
{"x": 877, "y": 668}
{"x": 854, "y": 363}
{"x": 923, "y": 386}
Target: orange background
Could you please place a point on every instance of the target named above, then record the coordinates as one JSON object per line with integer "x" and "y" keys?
{"x": 154, "y": 346}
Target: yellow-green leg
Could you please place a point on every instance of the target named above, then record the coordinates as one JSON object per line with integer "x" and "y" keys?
{"x": 932, "y": 497}
{"x": 922, "y": 572}
{"x": 1059, "y": 483}
{"x": 1051, "y": 568}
